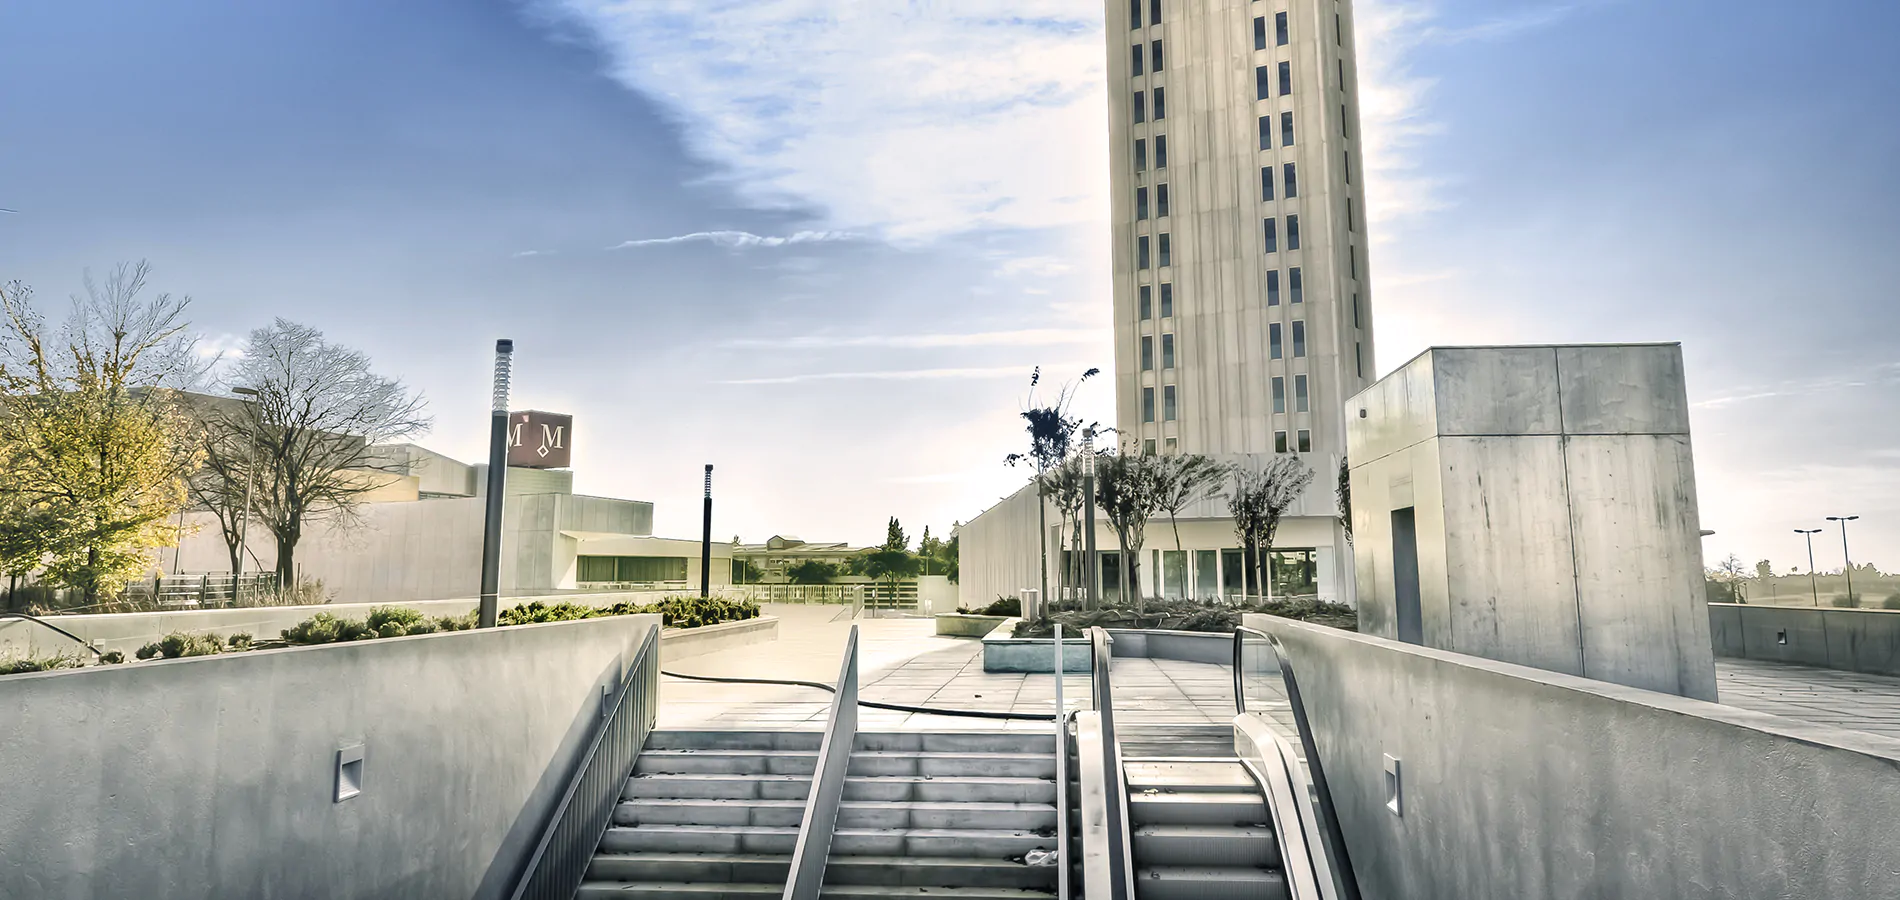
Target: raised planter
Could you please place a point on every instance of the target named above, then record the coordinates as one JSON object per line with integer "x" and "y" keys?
{"x": 1003, "y": 653}
{"x": 680, "y": 643}
{"x": 966, "y": 625}
{"x": 1186, "y": 646}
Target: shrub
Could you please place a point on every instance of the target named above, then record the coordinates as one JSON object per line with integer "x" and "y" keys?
{"x": 238, "y": 641}
{"x": 1892, "y": 602}
{"x": 111, "y": 658}
{"x": 1190, "y": 615}
{"x": 1004, "y": 606}
{"x": 324, "y": 628}
{"x": 17, "y": 665}
{"x": 384, "y": 619}
{"x": 179, "y": 644}
{"x": 1846, "y": 601}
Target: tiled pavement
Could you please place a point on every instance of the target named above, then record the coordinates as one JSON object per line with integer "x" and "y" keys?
{"x": 1869, "y": 703}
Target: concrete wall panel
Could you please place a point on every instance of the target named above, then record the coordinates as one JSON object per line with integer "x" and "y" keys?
{"x": 1623, "y": 389}
{"x": 214, "y": 777}
{"x": 1513, "y": 590}
{"x": 1640, "y": 595}
{"x": 1851, "y": 640}
{"x": 1400, "y": 410}
{"x": 1510, "y": 390}
{"x": 1520, "y": 784}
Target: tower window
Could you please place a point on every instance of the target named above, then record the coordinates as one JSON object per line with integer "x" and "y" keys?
{"x": 1262, "y": 83}
{"x": 1134, "y": 13}
{"x": 1359, "y": 358}
{"x": 1167, "y": 351}
{"x": 1147, "y": 302}
{"x": 1273, "y": 235}
{"x": 1161, "y": 105}
{"x": 1286, "y": 78}
{"x": 1266, "y": 181}
{"x": 1355, "y": 309}
{"x": 1266, "y": 132}
{"x": 1299, "y": 339}
{"x": 1273, "y": 287}
{"x": 1141, "y": 155}
{"x": 1161, "y": 151}
{"x": 1167, "y": 300}
{"x": 1306, "y": 441}
{"x": 1166, "y": 256}
{"x": 1154, "y": 12}
{"x": 1147, "y": 353}
{"x": 1273, "y": 340}
{"x": 1293, "y": 284}
{"x": 1299, "y": 393}
{"x": 1161, "y": 201}
{"x": 1286, "y": 129}
{"x": 1293, "y": 232}
{"x": 1141, "y": 203}
{"x": 1135, "y": 64}
{"x": 1154, "y": 58}
{"x": 1279, "y": 29}
{"x": 1260, "y": 32}
{"x": 1279, "y": 442}
{"x": 1147, "y": 404}
{"x": 1167, "y": 403}
{"x": 1141, "y": 107}
{"x": 1349, "y": 219}
{"x": 1279, "y": 394}
{"x": 1289, "y": 178}
{"x": 1141, "y": 251}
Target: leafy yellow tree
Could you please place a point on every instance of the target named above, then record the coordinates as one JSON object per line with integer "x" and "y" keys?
{"x": 93, "y": 446}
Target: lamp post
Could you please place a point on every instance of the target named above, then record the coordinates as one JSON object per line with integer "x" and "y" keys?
{"x": 497, "y": 485}
{"x": 1091, "y": 581}
{"x": 250, "y": 478}
{"x": 1813, "y": 588}
{"x": 1848, "y": 569}
{"x": 705, "y": 541}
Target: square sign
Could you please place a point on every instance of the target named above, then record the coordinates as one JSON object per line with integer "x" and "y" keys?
{"x": 540, "y": 440}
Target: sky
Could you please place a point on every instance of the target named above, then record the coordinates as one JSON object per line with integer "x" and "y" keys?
{"x": 822, "y": 245}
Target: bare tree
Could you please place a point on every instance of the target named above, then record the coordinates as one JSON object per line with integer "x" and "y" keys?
{"x": 1125, "y": 488}
{"x": 1051, "y": 432}
{"x": 315, "y": 421}
{"x": 1258, "y": 502}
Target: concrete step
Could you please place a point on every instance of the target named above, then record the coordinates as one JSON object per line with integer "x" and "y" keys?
{"x": 717, "y": 786}
{"x": 735, "y": 740}
{"x": 777, "y": 840}
{"x": 1211, "y": 741}
{"x": 653, "y": 890}
{"x": 1197, "y": 808}
{"x": 742, "y": 868}
{"x": 1185, "y": 774}
{"x": 1208, "y": 883}
{"x": 771, "y": 839}
{"x": 1205, "y": 845}
{"x": 960, "y": 742}
{"x": 726, "y": 762}
{"x": 883, "y": 891}
{"x": 851, "y": 814}
{"x": 905, "y": 762}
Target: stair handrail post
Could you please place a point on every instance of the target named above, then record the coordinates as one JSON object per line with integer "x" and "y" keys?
{"x": 1062, "y": 780}
{"x": 820, "y": 820}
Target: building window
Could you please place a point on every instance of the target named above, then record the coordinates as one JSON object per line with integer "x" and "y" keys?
{"x": 1273, "y": 235}
{"x": 1279, "y": 442}
{"x": 1166, "y": 256}
{"x": 1161, "y": 105}
{"x": 1167, "y": 351}
{"x": 1293, "y": 232}
{"x": 1293, "y": 285}
{"x": 1171, "y": 446}
{"x": 1141, "y": 252}
{"x": 1161, "y": 151}
{"x": 1141, "y": 107}
{"x": 1352, "y": 261}
{"x": 1273, "y": 287}
{"x": 1345, "y": 164}
{"x": 1154, "y": 12}
{"x": 1154, "y": 57}
{"x": 1299, "y": 393}
{"x": 1148, "y": 447}
{"x": 1286, "y": 78}
{"x": 1167, "y": 300}
{"x": 1279, "y": 29}
{"x": 1147, "y": 302}
{"x": 1273, "y": 340}
{"x": 1266, "y": 181}
{"x": 1286, "y": 129}
{"x": 1299, "y": 339}
{"x": 1290, "y": 179}
{"x": 1167, "y": 403}
{"x": 630, "y": 569}
{"x": 1147, "y": 353}
{"x": 1359, "y": 359}
{"x": 1136, "y": 70}
{"x": 1141, "y": 203}
{"x": 1350, "y": 226}
{"x": 1260, "y": 32}
{"x": 1339, "y": 31}
{"x": 1161, "y": 201}
{"x": 1262, "y": 83}
{"x": 1355, "y": 309}
{"x": 1279, "y": 394}
{"x": 1342, "y": 106}
{"x": 1141, "y": 155}
{"x": 1306, "y": 441}
{"x": 1147, "y": 404}
{"x": 1266, "y": 132}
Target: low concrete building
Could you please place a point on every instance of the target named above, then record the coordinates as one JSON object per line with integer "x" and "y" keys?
{"x": 1535, "y": 505}
{"x": 781, "y": 552}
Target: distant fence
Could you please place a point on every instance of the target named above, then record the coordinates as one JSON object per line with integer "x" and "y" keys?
{"x": 194, "y": 590}
{"x": 871, "y": 596}
{"x": 1851, "y": 640}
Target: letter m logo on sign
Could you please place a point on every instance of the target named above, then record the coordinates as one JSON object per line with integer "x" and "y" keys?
{"x": 540, "y": 440}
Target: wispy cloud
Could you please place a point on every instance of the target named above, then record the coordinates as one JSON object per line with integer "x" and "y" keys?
{"x": 520, "y": 254}
{"x": 909, "y": 121}
{"x": 887, "y": 375}
{"x": 738, "y": 239}
{"x": 1881, "y": 375}
{"x": 1025, "y": 337}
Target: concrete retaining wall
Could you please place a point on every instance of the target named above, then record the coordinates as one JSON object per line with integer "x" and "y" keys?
{"x": 1852, "y": 640}
{"x": 1524, "y": 784}
{"x": 126, "y": 632}
{"x": 682, "y": 643}
{"x": 215, "y": 776}
{"x": 1003, "y": 653}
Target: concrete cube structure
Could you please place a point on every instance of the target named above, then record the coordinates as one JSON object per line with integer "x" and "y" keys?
{"x": 1535, "y": 505}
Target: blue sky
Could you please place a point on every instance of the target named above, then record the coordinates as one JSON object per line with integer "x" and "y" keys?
{"x": 821, "y": 244}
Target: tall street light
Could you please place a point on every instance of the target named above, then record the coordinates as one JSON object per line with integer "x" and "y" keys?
{"x": 1091, "y": 582}
{"x": 705, "y": 541}
{"x": 497, "y": 485}
{"x": 1848, "y": 570}
{"x": 1809, "y": 533}
{"x": 250, "y": 477}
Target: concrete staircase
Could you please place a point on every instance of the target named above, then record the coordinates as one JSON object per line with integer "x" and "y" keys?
{"x": 715, "y": 814}
{"x": 1200, "y": 830}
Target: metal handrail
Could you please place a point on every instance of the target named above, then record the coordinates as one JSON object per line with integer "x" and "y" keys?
{"x": 1062, "y": 780}
{"x": 1277, "y": 772}
{"x": 561, "y": 857}
{"x": 1335, "y": 837}
{"x": 39, "y": 621}
{"x": 820, "y": 819}
{"x": 1121, "y": 873}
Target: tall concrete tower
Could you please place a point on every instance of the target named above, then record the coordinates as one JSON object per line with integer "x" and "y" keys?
{"x": 1242, "y": 309}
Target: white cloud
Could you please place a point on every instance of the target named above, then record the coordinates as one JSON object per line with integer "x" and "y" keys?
{"x": 522, "y": 254}
{"x": 888, "y": 375}
{"x": 738, "y": 239}
{"x": 907, "y": 120}
{"x": 1026, "y": 337}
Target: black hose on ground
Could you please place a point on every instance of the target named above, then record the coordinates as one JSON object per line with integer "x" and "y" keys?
{"x": 894, "y": 707}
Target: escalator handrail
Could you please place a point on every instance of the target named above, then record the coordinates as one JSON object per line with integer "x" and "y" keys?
{"x": 1329, "y": 818}
{"x": 1120, "y": 854}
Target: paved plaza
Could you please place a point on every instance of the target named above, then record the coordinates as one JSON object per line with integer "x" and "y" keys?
{"x": 904, "y": 661}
